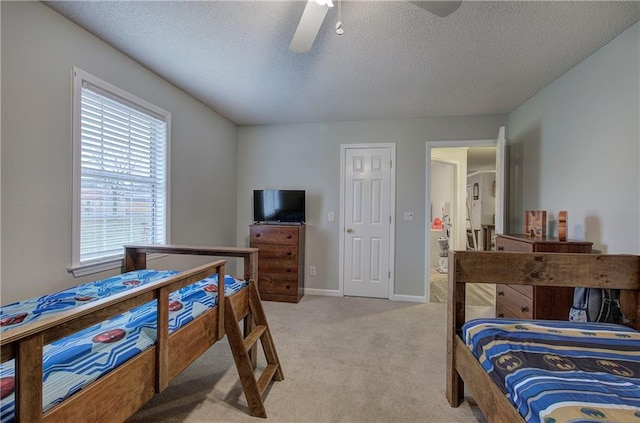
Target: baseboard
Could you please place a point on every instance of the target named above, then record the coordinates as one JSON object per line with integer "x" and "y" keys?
{"x": 336, "y": 293}
{"x": 409, "y": 298}
{"x": 324, "y": 292}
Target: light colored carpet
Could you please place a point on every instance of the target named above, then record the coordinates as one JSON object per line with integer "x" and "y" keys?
{"x": 344, "y": 360}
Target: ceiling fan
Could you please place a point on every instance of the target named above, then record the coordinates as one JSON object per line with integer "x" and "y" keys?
{"x": 316, "y": 10}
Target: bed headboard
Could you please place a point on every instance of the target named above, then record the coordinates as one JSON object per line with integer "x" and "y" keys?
{"x": 550, "y": 269}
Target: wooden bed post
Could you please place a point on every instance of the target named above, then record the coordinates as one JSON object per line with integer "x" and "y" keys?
{"x": 249, "y": 324}
{"x": 455, "y": 320}
{"x": 134, "y": 259}
{"x": 251, "y": 267}
{"x": 29, "y": 379}
{"x": 221, "y": 302}
{"x": 162, "y": 344}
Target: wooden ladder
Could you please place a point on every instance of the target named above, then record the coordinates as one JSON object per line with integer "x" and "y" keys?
{"x": 241, "y": 347}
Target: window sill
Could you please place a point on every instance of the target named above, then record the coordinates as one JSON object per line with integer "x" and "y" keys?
{"x": 80, "y": 270}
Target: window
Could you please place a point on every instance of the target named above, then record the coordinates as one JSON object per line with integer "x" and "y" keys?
{"x": 120, "y": 173}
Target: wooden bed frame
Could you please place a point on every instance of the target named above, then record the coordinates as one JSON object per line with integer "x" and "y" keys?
{"x": 120, "y": 393}
{"x": 550, "y": 269}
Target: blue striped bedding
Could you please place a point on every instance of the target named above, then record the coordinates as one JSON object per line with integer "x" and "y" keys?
{"x": 77, "y": 360}
{"x": 556, "y": 371}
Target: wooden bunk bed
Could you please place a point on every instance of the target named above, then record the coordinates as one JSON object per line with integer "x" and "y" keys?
{"x": 569, "y": 270}
{"x": 121, "y": 392}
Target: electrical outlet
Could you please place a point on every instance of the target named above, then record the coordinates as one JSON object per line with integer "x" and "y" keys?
{"x": 312, "y": 270}
{"x": 331, "y": 217}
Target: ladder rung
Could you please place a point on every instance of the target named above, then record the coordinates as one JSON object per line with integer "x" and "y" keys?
{"x": 253, "y": 337}
{"x": 266, "y": 376}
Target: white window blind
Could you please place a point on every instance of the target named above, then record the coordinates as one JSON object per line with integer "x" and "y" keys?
{"x": 122, "y": 173}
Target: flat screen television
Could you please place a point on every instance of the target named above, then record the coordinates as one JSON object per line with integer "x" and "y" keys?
{"x": 278, "y": 206}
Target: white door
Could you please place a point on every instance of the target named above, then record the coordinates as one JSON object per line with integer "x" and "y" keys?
{"x": 367, "y": 216}
{"x": 501, "y": 178}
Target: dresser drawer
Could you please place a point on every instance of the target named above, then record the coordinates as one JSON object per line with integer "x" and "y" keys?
{"x": 526, "y": 290}
{"x": 505, "y": 310}
{"x": 277, "y": 251}
{"x": 504, "y": 244}
{"x": 274, "y": 284}
{"x": 277, "y": 271}
{"x": 272, "y": 234}
{"x": 512, "y": 303}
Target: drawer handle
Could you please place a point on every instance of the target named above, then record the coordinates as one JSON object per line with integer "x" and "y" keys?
{"x": 287, "y": 286}
{"x": 500, "y": 292}
{"x": 289, "y": 253}
{"x": 501, "y": 248}
{"x": 257, "y": 235}
{"x": 289, "y": 236}
{"x": 288, "y": 270}
{"x": 524, "y": 309}
{"x": 500, "y": 314}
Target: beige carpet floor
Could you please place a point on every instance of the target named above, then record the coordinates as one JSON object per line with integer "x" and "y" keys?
{"x": 344, "y": 359}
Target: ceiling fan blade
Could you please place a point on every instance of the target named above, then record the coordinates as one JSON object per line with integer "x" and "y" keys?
{"x": 308, "y": 27}
{"x": 440, "y": 8}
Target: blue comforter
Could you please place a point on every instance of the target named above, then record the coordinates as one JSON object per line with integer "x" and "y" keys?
{"x": 555, "y": 371}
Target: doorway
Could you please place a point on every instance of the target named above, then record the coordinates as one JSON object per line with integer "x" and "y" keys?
{"x": 464, "y": 219}
{"x": 367, "y": 213}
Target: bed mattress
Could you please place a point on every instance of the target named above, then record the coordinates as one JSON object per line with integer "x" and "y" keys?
{"x": 556, "y": 371}
{"x": 77, "y": 360}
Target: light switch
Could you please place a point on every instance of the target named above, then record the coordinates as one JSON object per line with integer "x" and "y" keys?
{"x": 408, "y": 216}
{"x": 331, "y": 217}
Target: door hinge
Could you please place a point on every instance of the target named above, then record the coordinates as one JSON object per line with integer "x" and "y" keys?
{"x": 389, "y": 274}
{"x": 390, "y": 163}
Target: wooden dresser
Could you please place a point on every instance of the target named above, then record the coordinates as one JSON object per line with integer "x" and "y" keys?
{"x": 535, "y": 302}
{"x": 280, "y": 261}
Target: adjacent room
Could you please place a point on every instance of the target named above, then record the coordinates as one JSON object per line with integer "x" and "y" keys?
{"x": 319, "y": 176}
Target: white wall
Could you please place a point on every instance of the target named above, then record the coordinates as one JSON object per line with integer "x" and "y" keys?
{"x": 457, "y": 155}
{"x": 39, "y": 49}
{"x": 442, "y": 183}
{"x": 575, "y": 146}
{"x": 307, "y": 156}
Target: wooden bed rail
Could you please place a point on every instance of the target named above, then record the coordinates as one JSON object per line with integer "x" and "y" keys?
{"x": 135, "y": 256}
{"x": 67, "y": 322}
{"x": 25, "y": 343}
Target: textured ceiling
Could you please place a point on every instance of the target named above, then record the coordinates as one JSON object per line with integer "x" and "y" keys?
{"x": 394, "y": 60}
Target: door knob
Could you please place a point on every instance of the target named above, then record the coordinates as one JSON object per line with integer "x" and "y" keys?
{"x": 349, "y": 230}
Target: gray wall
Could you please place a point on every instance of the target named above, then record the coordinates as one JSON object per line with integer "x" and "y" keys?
{"x": 575, "y": 146}
{"x": 307, "y": 156}
{"x": 39, "y": 49}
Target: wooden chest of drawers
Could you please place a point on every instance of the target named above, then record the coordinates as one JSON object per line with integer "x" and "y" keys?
{"x": 535, "y": 302}
{"x": 280, "y": 261}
